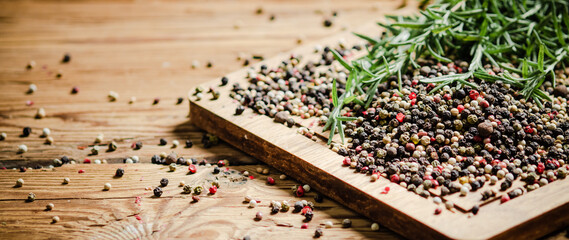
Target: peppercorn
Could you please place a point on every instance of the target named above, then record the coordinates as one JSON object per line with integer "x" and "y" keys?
{"x": 327, "y": 23}
{"x": 475, "y": 209}
{"x": 66, "y": 58}
{"x": 158, "y": 192}
{"x": 55, "y": 219}
{"x": 187, "y": 189}
{"x": 346, "y": 223}
{"x": 22, "y": 148}
{"x": 49, "y": 207}
{"x": 20, "y": 182}
{"x": 270, "y": 181}
{"x": 31, "y": 197}
{"x": 189, "y": 143}
{"x": 224, "y": 81}
{"x": 180, "y": 100}
{"x": 164, "y": 182}
{"x": 239, "y": 110}
{"x": 216, "y": 170}
{"x": 119, "y": 172}
{"x": 138, "y": 145}
{"x": 26, "y": 131}
{"x": 163, "y": 142}
{"x": 308, "y": 216}
{"x": 195, "y": 199}
{"x": 259, "y": 216}
{"x": 318, "y": 233}
{"x": 298, "y": 206}
{"x": 212, "y": 190}
{"x": 107, "y": 187}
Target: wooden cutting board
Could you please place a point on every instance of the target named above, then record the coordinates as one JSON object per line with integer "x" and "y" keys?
{"x": 531, "y": 215}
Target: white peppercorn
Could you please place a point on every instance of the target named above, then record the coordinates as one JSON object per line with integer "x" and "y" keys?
{"x": 107, "y": 187}
{"x": 49, "y": 207}
{"x": 20, "y": 182}
{"x": 375, "y": 227}
{"x": 22, "y": 148}
{"x": 66, "y": 181}
{"x": 55, "y": 219}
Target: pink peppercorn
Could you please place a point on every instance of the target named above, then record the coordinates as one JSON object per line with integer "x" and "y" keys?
{"x": 346, "y": 161}
{"x": 385, "y": 190}
{"x": 212, "y": 189}
{"x": 412, "y": 96}
{"x": 394, "y": 178}
{"x": 192, "y": 169}
{"x": 87, "y": 160}
{"x": 505, "y": 198}
{"x": 304, "y": 226}
{"x": 473, "y": 94}
{"x": 400, "y": 117}
{"x": 447, "y": 97}
{"x": 81, "y": 171}
{"x": 299, "y": 191}
{"x": 484, "y": 104}
{"x": 460, "y": 108}
{"x": 438, "y": 210}
{"x": 271, "y": 181}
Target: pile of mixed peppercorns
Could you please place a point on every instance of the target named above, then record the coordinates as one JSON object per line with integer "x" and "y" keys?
{"x": 457, "y": 138}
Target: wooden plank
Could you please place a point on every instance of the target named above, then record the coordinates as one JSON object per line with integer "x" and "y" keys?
{"x": 409, "y": 214}
{"x": 90, "y": 213}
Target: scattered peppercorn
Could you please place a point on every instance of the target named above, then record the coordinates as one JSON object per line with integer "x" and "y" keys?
{"x": 259, "y": 216}
{"x": 31, "y": 197}
{"x": 163, "y": 142}
{"x": 49, "y": 206}
{"x": 180, "y": 100}
{"x": 327, "y": 23}
{"x": 158, "y": 192}
{"x": 74, "y": 90}
{"x": 346, "y": 223}
{"x": 20, "y": 182}
{"x": 318, "y": 233}
{"x": 195, "y": 199}
{"x": 66, "y": 58}
{"x": 107, "y": 187}
{"x": 26, "y": 131}
{"x": 164, "y": 182}
{"x": 156, "y": 101}
{"x": 119, "y": 172}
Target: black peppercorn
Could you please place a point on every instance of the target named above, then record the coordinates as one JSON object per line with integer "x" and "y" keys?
{"x": 327, "y": 23}
{"x": 475, "y": 209}
{"x": 308, "y": 216}
{"x": 318, "y": 233}
{"x": 138, "y": 145}
{"x": 189, "y": 143}
{"x": 155, "y": 159}
{"x": 26, "y": 131}
{"x": 181, "y": 161}
{"x": 66, "y": 58}
{"x": 298, "y": 206}
{"x": 65, "y": 160}
{"x": 239, "y": 110}
{"x": 224, "y": 81}
{"x": 164, "y": 182}
{"x": 180, "y": 100}
{"x": 216, "y": 170}
{"x": 163, "y": 142}
{"x": 158, "y": 192}
{"x": 119, "y": 172}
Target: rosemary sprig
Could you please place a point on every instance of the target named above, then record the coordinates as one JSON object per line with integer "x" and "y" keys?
{"x": 530, "y": 34}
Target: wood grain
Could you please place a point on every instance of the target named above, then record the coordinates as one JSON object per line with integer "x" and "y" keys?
{"x": 409, "y": 214}
{"x": 144, "y": 49}
{"x": 87, "y": 212}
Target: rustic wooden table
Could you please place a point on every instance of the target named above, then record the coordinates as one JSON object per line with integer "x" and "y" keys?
{"x": 145, "y": 49}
